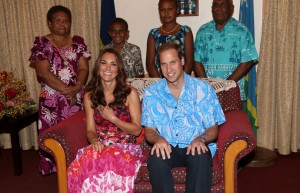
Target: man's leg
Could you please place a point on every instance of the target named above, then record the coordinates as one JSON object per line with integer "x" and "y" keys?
{"x": 160, "y": 174}
{"x": 199, "y": 173}
{"x": 161, "y": 177}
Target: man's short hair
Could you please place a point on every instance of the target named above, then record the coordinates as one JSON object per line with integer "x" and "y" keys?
{"x": 169, "y": 46}
{"x": 230, "y": 2}
{"x": 176, "y": 2}
{"x": 119, "y": 20}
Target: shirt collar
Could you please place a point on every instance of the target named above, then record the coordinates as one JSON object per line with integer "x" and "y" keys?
{"x": 126, "y": 45}
{"x": 229, "y": 22}
{"x": 186, "y": 85}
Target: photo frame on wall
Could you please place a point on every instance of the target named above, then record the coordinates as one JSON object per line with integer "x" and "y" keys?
{"x": 188, "y": 8}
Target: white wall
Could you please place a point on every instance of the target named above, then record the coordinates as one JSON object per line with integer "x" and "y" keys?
{"x": 142, "y": 16}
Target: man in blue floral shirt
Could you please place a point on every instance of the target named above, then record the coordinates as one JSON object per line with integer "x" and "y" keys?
{"x": 181, "y": 115}
{"x": 224, "y": 47}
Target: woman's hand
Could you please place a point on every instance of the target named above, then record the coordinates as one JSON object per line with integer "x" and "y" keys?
{"x": 107, "y": 113}
{"x": 97, "y": 145}
{"x": 73, "y": 101}
{"x": 71, "y": 91}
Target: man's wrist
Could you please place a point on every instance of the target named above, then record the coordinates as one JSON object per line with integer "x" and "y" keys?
{"x": 202, "y": 138}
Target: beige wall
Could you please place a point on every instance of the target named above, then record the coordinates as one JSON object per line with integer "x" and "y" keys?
{"x": 142, "y": 15}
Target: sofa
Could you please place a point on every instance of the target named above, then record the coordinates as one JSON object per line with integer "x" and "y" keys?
{"x": 235, "y": 140}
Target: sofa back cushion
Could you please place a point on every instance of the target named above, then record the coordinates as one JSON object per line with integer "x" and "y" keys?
{"x": 227, "y": 91}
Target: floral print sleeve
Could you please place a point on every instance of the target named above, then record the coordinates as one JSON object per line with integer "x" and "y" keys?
{"x": 39, "y": 49}
{"x": 81, "y": 47}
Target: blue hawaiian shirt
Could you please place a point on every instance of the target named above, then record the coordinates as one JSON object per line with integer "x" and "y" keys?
{"x": 221, "y": 52}
{"x": 181, "y": 121}
{"x": 159, "y": 39}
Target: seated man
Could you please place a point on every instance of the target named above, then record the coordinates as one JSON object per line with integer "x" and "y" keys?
{"x": 181, "y": 115}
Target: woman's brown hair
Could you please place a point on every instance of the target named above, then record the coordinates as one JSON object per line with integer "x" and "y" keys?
{"x": 121, "y": 91}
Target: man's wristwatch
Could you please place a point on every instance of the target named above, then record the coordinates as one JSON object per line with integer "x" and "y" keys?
{"x": 202, "y": 139}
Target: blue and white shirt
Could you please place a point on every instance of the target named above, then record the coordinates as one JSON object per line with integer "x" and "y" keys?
{"x": 181, "y": 121}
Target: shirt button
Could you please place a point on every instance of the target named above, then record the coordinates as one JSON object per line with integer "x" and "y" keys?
{"x": 175, "y": 107}
{"x": 176, "y": 135}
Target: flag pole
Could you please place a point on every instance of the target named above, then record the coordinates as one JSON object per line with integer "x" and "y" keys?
{"x": 260, "y": 157}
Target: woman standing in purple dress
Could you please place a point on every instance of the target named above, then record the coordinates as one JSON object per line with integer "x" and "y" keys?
{"x": 61, "y": 64}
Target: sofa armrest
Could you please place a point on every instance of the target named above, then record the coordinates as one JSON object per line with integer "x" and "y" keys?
{"x": 69, "y": 133}
{"x": 236, "y": 127}
{"x": 235, "y": 140}
{"x": 62, "y": 141}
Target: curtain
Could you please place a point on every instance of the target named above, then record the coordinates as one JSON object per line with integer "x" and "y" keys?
{"x": 20, "y": 22}
{"x": 278, "y": 77}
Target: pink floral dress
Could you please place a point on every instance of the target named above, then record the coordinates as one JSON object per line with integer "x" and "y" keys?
{"x": 111, "y": 170}
{"x": 53, "y": 106}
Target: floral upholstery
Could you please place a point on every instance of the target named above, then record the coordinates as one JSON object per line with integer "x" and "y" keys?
{"x": 237, "y": 127}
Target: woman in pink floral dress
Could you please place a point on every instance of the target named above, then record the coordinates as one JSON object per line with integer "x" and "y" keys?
{"x": 113, "y": 113}
{"x": 61, "y": 66}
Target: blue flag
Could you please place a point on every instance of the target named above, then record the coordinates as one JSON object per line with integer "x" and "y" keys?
{"x": 108, "y": 13}
{"x": 247, "y": 18}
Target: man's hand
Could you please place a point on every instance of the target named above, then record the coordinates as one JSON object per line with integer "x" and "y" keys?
{"x": 197, "y": 145}
{"x": 162, "y": 147}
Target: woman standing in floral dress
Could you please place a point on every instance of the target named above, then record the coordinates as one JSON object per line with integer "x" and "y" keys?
{"x": 61, "y": 64}
{"x": 169, "y": 31}
{"x": 113, "y": 116}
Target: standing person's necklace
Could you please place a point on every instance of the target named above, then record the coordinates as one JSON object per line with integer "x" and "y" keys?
{"x": 168, "y": 32}
{"x": 60, "y": 44}
{"x": 62, "y": 54}
{"x": 60, "y": 47}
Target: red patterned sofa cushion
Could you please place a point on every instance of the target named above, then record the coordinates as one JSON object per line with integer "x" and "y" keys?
{"x": 228, "y": 93}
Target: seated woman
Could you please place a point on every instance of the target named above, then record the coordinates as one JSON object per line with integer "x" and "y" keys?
{"x": 113, "y": 115}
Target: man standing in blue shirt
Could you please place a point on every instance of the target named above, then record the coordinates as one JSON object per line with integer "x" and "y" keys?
{"x": 181, "y": 115}
{"x": 224, "y": 47}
